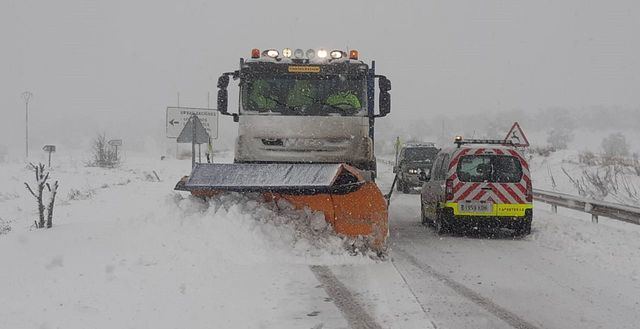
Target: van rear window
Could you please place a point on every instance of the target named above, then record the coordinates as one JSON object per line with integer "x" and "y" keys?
{"x": 489, "y": 168}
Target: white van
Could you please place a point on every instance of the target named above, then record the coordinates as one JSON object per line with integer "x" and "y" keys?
{"x": 478, "y": 183}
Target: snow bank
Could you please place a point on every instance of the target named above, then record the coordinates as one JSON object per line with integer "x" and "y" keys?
{"x": 246, "y": 230}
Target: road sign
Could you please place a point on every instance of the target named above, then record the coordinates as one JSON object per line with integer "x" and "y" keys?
{"x": 115, "y": 142}
{"x": 50, "y": 149}
{"x": 188, "y": 135}
{"x": 516, "y": 136}
{"x": 177, "y": 118}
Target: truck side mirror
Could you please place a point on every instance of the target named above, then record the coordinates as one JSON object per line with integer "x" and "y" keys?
{"x": 385, "y": 98}
{"x": 223, "y": 96}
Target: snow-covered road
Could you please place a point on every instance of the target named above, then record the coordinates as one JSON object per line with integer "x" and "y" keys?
{"x": 569, "y": 273}
{"x": 128, "y": 252}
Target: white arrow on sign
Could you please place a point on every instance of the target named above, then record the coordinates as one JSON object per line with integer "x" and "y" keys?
{"x": 177, "y": 118}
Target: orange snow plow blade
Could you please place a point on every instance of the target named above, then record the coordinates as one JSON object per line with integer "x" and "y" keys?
{"x": 354, "y": 207}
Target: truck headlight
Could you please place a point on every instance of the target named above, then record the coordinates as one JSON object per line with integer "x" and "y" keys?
{"x": 413, "y": 171}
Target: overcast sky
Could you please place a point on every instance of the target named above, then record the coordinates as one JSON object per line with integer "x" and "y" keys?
{"x": 115, "y": 65}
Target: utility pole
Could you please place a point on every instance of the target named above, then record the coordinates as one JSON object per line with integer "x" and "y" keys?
{"x": 26, "y": 96}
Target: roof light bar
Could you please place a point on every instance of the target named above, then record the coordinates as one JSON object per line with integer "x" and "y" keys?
{"x": 460, "y": 141}
{"x": 271, "y": 53}
{"x": 311, "y": 53}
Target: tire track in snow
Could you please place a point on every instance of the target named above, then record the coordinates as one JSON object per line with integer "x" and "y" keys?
{"x": 505, "y": 315}
{"x": 354, "y": 313}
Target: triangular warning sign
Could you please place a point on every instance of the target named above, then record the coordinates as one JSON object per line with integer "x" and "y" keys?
{"x": 516, "y": 136}
{"x": 187, "y": 133}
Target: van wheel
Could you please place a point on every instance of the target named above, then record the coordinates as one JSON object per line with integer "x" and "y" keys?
{"x": 441, "y": 225}
{"x": 525, "y": 228}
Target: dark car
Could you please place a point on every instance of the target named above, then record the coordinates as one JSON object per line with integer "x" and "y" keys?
{"x": 413, "y": 158}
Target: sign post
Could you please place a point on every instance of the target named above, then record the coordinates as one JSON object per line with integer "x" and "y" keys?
{"x": 115, "y": 143}
{"x": 193, "y": 132}
{"x": 516, "y": 136}
{"x": 50, "y": 149}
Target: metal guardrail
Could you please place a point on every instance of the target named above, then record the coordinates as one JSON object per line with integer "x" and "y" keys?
{"x": 625, "y": 213}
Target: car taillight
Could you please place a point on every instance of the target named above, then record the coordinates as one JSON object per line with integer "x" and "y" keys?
{"x": 529, "y": 192}
{"x": 449, "y": 189}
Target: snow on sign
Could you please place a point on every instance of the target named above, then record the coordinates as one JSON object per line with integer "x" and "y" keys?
{"x": 177, "y": 118}
{"x": 516, "y": 136}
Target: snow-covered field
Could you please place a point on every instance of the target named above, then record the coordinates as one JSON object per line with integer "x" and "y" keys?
{"x": 126, "y": 251}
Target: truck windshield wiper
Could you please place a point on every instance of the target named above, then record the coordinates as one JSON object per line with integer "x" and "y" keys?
{"x": 335, "y": 107}
{"x": 290, "y": 108}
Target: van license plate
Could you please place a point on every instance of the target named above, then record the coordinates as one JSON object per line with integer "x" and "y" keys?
{"x": 475, "y": 207}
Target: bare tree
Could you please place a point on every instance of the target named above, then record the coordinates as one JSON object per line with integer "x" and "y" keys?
{"x": 52, "y": 200}
{"x": 41, "y": 182}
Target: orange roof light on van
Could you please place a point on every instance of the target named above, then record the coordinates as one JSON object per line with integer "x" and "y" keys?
{"x": 255, "y": 53}
{"x": 353, "y": 54}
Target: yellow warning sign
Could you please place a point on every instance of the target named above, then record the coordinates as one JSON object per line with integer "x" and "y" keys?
{"x": 304, "y": 69}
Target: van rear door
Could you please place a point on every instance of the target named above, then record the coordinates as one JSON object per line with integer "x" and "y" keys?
{"x": 490, "y": 182}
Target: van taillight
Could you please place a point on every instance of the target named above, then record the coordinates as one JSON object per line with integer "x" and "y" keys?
{"x": 529, "y": 192}
{"x": 449, "y": 189}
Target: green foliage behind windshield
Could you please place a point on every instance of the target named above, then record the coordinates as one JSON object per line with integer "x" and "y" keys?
{"x": 305, "y": 95}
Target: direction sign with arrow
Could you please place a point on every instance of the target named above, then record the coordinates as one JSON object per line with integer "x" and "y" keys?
{"x": 177, "y": 118}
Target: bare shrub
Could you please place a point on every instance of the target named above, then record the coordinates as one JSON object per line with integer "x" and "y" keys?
{"x": 104, "y": 155}
{"x": 635, "y": 165}
{"x": 615, "y": 146}
{"x": 559, "y": 139}
{"x": 588, "y": 158}
{"x": 5, "y": 226}
{"x": 543, "y": 151}
{"x": 605, "y": 181}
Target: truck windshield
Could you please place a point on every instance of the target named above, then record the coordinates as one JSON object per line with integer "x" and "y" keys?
{"x": 420, "y": 153}
{"x": 489, "y": 168}
{"x": 305, "y": 95}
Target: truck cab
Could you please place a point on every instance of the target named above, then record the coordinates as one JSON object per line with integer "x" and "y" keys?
{"x": 306, "y": 107}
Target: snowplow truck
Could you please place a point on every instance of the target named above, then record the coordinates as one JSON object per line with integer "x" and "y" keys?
{"x": 305, "y": 135}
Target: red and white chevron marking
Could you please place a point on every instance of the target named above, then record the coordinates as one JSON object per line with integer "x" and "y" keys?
{"x": 502, "y": 193}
